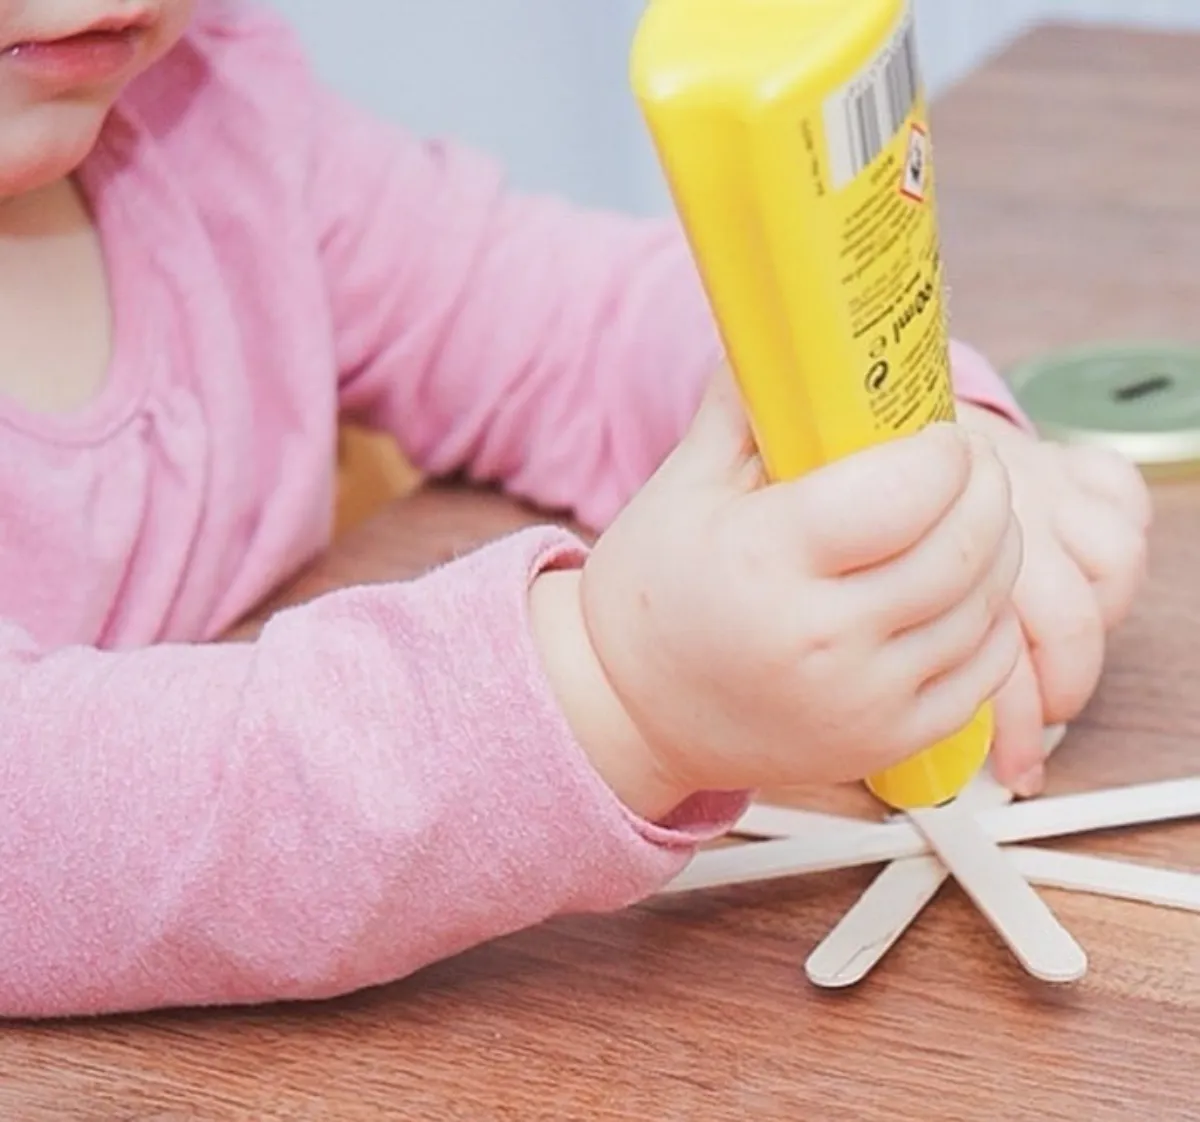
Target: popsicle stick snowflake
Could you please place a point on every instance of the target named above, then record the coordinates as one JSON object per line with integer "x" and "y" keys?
{"x": 983, "y": 839}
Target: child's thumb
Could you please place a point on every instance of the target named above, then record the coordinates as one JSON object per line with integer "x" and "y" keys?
{"x": 719, "y": 444}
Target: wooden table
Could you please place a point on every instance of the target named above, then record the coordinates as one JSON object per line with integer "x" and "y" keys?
{"x": 1071, "y": 210}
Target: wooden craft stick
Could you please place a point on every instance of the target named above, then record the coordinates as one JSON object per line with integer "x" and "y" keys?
{"x": 814, "y": 850}
{"x": 1101, "y": 876}
{"x": 1019, "y": 915}
{"x": 895, "y": 898}
{"x": 873, "y": 924}
{"x": 1036, "y": 819}
{"x": 763, "y": 820}
{"x": 816, "y": 843}
{"x": 888, "y": 906}
{"x": 1094, "y": 810}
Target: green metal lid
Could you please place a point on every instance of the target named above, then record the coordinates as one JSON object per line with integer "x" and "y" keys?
{"x": 1142, "y": 399}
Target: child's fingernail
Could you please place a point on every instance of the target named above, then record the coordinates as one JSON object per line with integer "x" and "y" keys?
{"x": 1030, "y": 783}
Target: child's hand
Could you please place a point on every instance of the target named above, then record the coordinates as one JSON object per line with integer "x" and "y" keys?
{"x": 1084, "y": 514}
{"x": 726, "y": 635}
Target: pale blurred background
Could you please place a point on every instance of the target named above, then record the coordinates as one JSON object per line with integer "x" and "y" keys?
{"x": 542, "y": 83}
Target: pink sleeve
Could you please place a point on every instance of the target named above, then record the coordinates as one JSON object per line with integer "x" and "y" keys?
{"x": 381, "y": 780}
{"x": 558, "y": 351}
{"x": 976, "y": 381}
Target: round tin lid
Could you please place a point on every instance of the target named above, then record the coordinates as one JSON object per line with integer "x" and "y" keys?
{"x": 1142, "y": 399}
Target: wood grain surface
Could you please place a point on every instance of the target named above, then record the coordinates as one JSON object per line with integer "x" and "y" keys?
{"x": 1071, "y": 210}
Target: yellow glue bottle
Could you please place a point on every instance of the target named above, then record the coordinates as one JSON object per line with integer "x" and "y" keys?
{"x": 794, "y": 139}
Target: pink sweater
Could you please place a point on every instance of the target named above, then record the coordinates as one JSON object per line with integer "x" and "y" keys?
{"x": 383, "y": 778}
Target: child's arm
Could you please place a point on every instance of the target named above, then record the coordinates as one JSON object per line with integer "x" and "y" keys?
{"x": 381, "y": 780}
{"x": 558, "y": 351}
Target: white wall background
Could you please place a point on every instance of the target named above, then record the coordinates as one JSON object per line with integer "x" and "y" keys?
{"x": 542, "y": 83}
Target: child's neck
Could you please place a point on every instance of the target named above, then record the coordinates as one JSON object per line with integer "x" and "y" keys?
{"x": 54, "y": 310}
{"x": 54, "y": 208}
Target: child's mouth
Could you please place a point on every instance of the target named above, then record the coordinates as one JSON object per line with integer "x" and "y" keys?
{"x": 90, "y": 57}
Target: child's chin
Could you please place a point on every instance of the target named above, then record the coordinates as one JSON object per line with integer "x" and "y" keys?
{"x": 46, "y": 143}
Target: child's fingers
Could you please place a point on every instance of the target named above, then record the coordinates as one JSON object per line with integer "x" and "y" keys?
{"x": 922, "y": 654}
{"x": 1017, "y": 754}
{"x": 947, "y": 704}
{"x": 719, "y": 441}
{"x": 1110, "y": 477}
{"x": 1109, "y": 550}
{"x": 1062, "y": 622}
{"x": 975, "y": 548}
{"x": 866, "y": 508}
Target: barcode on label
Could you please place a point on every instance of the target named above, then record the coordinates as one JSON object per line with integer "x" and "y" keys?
{"x": 862, "y": 118}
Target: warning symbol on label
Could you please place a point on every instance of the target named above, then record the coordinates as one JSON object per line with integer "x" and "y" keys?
{"x": 916, "y": 164}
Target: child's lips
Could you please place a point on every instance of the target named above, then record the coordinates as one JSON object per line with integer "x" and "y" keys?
{"x": 90, "y": 57}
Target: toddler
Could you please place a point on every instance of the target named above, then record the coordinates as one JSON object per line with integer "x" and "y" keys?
{"x": 206, "y": 258}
